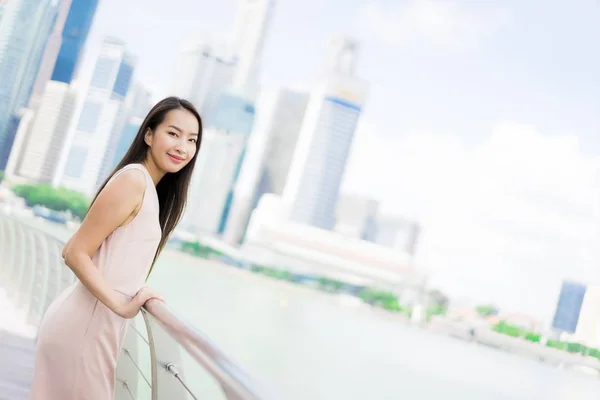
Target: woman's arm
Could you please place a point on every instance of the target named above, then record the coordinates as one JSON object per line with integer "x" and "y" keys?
{"x": 116, "y": 205}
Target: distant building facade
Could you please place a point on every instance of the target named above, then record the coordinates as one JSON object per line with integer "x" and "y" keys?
{"x": 568, "y": 307}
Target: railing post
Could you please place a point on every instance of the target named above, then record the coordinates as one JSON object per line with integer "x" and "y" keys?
{"x": 18, "y": 260}
{"x": 31, "y": 255}
{"x": 39, "y": 282}
{"x": 9, "y": 255}
{"x": 127, "y": 372}
{"x": 163, "y": 351}
{"x": 3, "y": 247}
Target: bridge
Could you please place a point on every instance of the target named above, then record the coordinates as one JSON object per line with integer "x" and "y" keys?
{"x": 163, "y": 357}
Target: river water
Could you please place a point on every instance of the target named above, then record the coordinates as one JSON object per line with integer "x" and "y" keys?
{"x": 310, "y": 345}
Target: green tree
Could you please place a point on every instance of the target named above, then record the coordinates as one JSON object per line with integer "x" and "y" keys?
{"x": 199, "y": 250}
{"x": 575, "y": 347}
{"x": 556, "y": 344}
{"x": 508, "y": 329}
{"x": 381, "y": 298}
{"x": 54, "y": 199}
{"x": 533, "y": 337}
{"x": 486, "y": 310}
{"x": 1, "y": 176}
{"x": 190, "y": 248}
{"x": 435, "y": 309}
{"x": 330, "y": 285}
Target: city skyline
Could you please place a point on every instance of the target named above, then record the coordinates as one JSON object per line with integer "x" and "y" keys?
{"x": 325, "y": 139}
{"x": 93, "y": 136}
{"x": 447, "y": 111}
{"x": 25, "y": 29}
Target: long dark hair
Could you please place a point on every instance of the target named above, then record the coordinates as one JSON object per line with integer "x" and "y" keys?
{"x": 173, "y": 188}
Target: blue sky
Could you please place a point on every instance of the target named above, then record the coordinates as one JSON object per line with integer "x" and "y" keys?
{"x": 483, "y": 122}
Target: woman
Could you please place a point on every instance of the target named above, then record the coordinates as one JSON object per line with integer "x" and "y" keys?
{"x": 112, "y": 253}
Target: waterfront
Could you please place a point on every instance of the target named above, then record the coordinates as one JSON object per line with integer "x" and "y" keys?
{"x": 311, "y": 346}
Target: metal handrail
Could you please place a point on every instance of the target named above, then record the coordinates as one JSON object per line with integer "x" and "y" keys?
{"x": 234, "y": 382}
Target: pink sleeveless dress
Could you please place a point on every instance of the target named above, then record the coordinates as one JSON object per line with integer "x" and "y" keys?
{"x": 79, "y": 339}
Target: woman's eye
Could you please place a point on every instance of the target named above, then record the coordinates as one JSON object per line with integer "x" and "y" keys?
{"x": 172, "y": 134}
{"x": 193, "y": 140}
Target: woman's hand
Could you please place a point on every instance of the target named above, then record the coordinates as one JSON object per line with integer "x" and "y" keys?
{"x": 132, "y": 308}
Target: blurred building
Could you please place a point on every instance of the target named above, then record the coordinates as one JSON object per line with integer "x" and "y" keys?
{"x": 136, "y": 105}
{"x": 250, "y": 32}
{"x": 213, "y": 74}
{"x": 61, "y": 54}
{"x": 284, "y": 124}
{"x": 216, "y": 166}
{"x": 204, "y": 72}
{"x": 235, "y": 111}
{"x": 588, "y": 324}
{"x": 42, "y": 134}
{"x": 568, "y": 307}
{"x": 271, "y": 146}
{"x": 397, "y": 233}
{"x": 74, "y": 36}
{"x": 235, "y": 115}
{"x": 320, "y": 157}
{"x": 48, "y": 61}
{"x": 40, "y": 57}
{"x": 64, "y": 49}
{"x": 81, "y": 160}
{"x": 274, "y": 241}
{"x": 2, "y": 7}
{"x": 132, "y": 126}
{"x": 356, "y": 217}
{"x": 24, "y": 31}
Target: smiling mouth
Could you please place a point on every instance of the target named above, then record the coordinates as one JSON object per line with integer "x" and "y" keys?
{"x": 175, "y": 158}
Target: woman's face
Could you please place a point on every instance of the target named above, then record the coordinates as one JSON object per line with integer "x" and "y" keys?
{"x": 173, "y": 142}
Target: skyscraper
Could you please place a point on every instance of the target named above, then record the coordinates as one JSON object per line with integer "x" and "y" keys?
{"x": 284, "y": 124}
{"x": 82, "y": 158}
{"x": 214, "y": 173}
{"x": 356, "y": 216}
{"x": 235, "y": 109}
{"x": 51, "y": 50}
{"x": 2, "y": 7}
{"x": 320, "y": 157}
{"x": 397, "y": 233}
{"x": 24, "y": 32}
{"x": 270, "y": 150}
{"x": 42, "y": 134}
{"x": 568, "y": 307}
{"x": 136, "y": 105}
{"x": 132, "y": 126}
{"x": 588, "y": 325}
{"x": 234, "y": 113}
{"x": 250, "y": 32}
{"x": 75, "y": 16}
{"x": 204, "y": 72}
{"x": 74, "y": 34}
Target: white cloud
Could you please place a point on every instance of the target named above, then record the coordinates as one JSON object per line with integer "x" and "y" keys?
{"x": 443, "y": 23}
{"x": 503, "y": 222}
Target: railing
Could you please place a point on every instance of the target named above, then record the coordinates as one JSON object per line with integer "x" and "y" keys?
{"x": 158, "y": 342}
